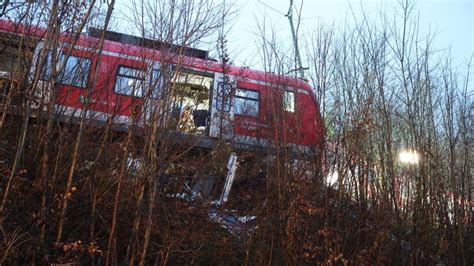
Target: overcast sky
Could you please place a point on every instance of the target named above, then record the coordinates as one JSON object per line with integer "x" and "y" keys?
{"x": 452, "y": 22}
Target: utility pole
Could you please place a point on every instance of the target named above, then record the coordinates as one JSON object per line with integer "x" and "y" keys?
{"x": 295, "y": 41}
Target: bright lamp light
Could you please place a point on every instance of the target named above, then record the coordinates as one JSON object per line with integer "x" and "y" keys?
{"x": 409, "y": 157}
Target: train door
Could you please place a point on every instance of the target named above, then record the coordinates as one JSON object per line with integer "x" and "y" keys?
{"x": 152, "y": 94}
{"x": 190, "y": 94}
{"x": 42, "y": 90}
{"x": 222, "y": 111}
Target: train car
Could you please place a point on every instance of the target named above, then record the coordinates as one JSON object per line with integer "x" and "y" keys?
{"x": 135, "y": 81}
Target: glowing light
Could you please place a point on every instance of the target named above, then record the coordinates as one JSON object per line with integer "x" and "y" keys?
{"x": 409, "y": 157}
{"x": 332, "y": 178}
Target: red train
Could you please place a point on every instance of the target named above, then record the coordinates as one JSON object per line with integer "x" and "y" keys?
{"x": 134, "y": 80}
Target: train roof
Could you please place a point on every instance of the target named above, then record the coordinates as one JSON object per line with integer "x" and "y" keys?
{"x": 127, "y": 45}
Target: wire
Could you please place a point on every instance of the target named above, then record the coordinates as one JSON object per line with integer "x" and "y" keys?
{"x": 264, "y": 4}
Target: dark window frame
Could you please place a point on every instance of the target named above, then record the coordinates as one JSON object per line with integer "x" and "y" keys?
{"x": 248, "y": 99}
{"x": 117, "y": 75}
{"x": 45, "y": 74}
{"x": 88, "y": 71}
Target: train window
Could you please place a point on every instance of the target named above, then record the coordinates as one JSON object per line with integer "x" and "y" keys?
{"x": 246, "y": 102}
{"x": 223, "y": 96}
{"x": 76, "y": 71}
{"x": 156, "y": 83}
{"x": 289, "y": 101}
{"x": 46, "y": 70}
{"x": 129, "y": 81}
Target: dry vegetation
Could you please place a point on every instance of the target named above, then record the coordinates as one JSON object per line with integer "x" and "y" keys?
{"x": 69, "y": 194}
